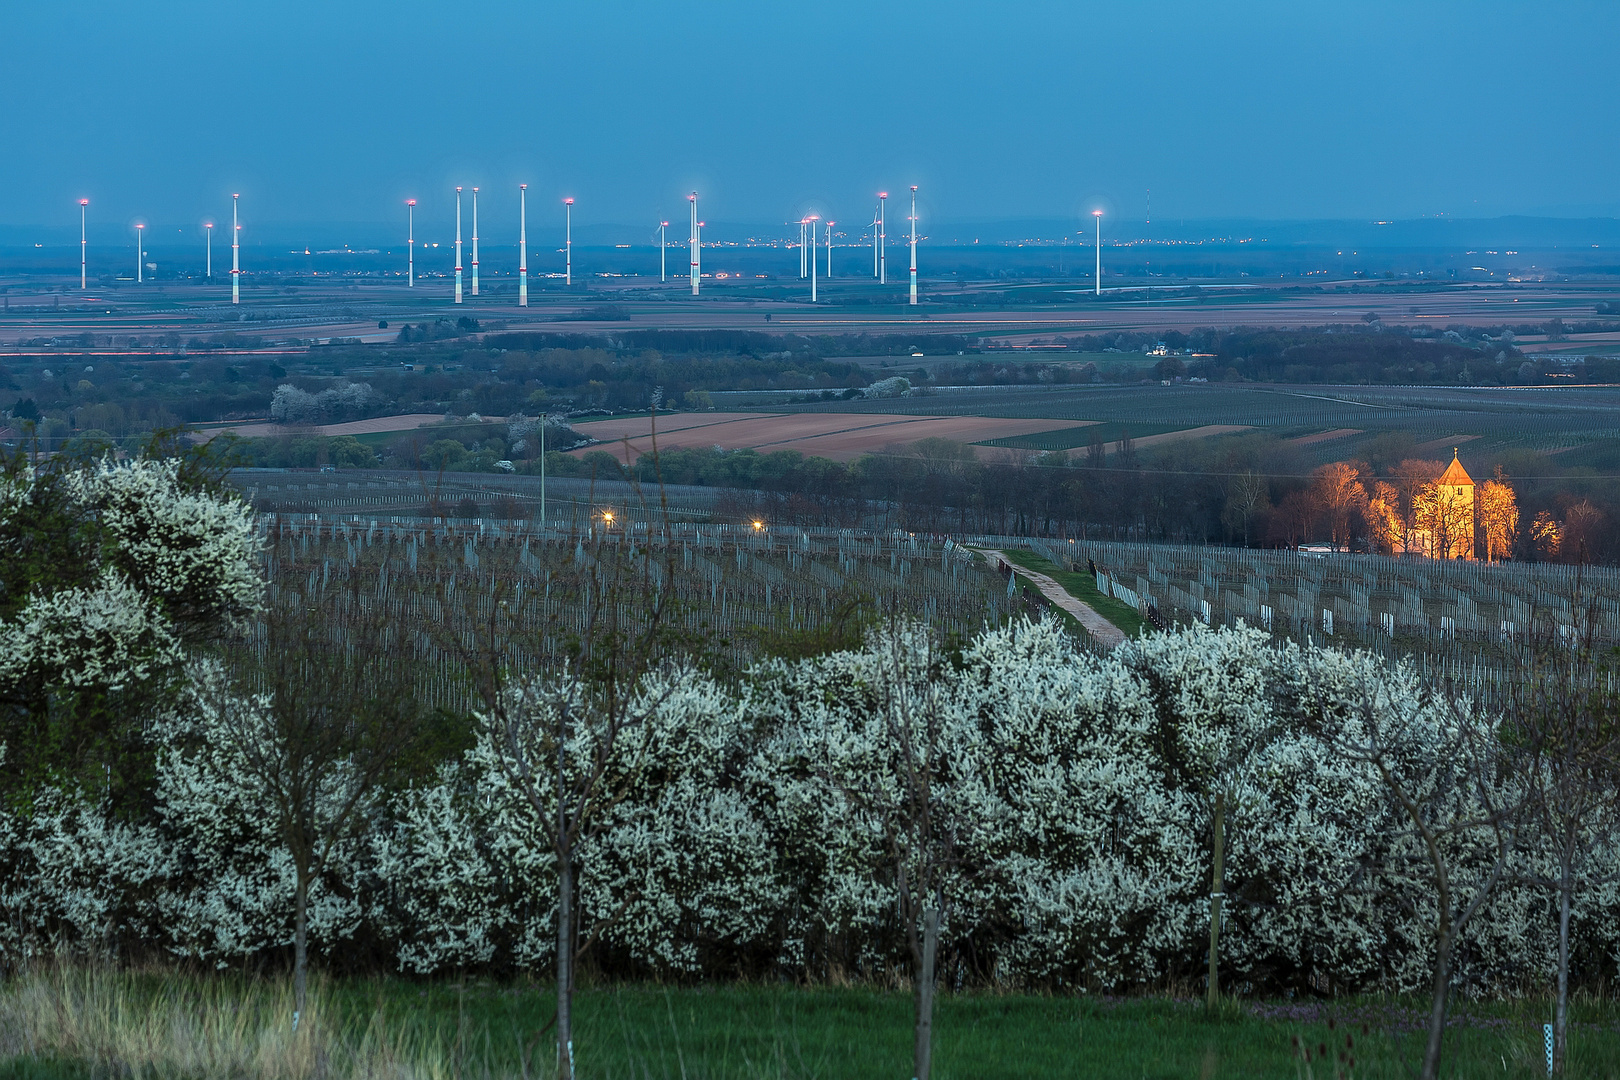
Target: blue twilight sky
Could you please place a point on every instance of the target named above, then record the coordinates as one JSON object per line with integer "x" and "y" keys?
{"x": 336, "y": 111}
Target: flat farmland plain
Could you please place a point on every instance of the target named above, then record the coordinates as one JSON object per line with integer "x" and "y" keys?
{"x": 1484, "y": 421}
{"x": 373, "y": 309}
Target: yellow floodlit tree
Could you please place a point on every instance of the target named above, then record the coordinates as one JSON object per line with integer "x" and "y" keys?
{"x": 1336, "y": 488}
{"x": 1545, "y": 535}
{"x": 1498, "y": 517}
{"x": 1386, "y": 529}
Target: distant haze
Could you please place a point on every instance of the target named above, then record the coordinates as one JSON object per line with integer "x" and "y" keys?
{"x": 330, "y": 114}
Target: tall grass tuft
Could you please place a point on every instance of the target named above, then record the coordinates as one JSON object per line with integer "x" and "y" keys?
{"x": 134, "y": 1024}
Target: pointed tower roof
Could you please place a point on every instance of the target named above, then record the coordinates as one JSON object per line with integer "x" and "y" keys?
{"x": 1455, "y": 475}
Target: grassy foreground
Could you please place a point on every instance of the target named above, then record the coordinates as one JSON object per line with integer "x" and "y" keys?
{"x": 79, "y": 1023}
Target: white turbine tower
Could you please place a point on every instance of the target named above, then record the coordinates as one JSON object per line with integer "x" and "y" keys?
{"x": 568, "y": 240}
{"x": 913, "y": 243}
{"x": 696, "y": 258}
{"x": 209, "y": 264}
{"x": 410, "y": 243}
{"x": 140, "y": 255}
{"x": 475, "y": 244}
{"x": 663, "y": 250}
{"x": 83, "y": 278}
{"x": 830, "y": 224}
{"x": 1098, "y": 215}
{"x": 811, "y": 222}
{"x": 523, "y": 245}
{"x": 236, "y": 251}
{"x": 804, "y": 271}
{"x": 874, "y": 243}
{"x": 883, "y": 238}
{"x": 458, "y": 245}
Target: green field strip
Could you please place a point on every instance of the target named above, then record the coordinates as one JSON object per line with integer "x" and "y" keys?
{"x": 1069, "y": 438}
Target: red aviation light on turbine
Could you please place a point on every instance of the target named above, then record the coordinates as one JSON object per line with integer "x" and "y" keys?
{"x": 569, "y": 200}
{"x": 84, "y": 202}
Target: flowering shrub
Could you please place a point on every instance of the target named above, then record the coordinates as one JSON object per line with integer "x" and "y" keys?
{"x": 345, "y": 401}
{"x": 108, "y": 572}
{"x": 748, "y": 831}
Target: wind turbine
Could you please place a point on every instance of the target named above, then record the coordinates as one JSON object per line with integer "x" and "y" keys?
{"x": 523, "y": 245}
{"x": 140, "y": 255}
{"x": 83, "y": 279}
{"x": 568, "y": 240}
{"x": 830, "y": 224}
{"x": 475, "y": 243}
{"x": 410, "y": 243}
{"x": 913, "y": 243}
{"x": 236, "y": 249}
{"x": 697, "y": 267}
{"x": 874, "y": 242}
{"x": 458, "y": 245}
{"x": 811, "y": 222}
{"x": 1099, "y": 216}
{"x": 663, "y": 250}
{"x": 804, "y": 271}
{"x": 209, "y": 264}
{"x": 883, "y": 238}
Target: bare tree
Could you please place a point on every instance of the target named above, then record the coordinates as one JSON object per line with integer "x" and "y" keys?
{"x": 337, "y": 719}
{"x": 561, "y": 738}
{"x": 1412, "y": 477}
{"x": 915, "y": 795}
{"x": 1440, "y": 766}
{"x": 1567, "y": 715}
{"x": 1245, "y": 496}
{"x": 1336, "y": 487}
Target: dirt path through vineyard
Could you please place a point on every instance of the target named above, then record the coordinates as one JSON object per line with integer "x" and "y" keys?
{"x": 1097, "y": 626}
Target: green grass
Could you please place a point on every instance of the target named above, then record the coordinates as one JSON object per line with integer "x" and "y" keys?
{"x": 1072, "y": 438}
{"x": 1083, "y": 587}
{"x": 476, "y": 1028}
